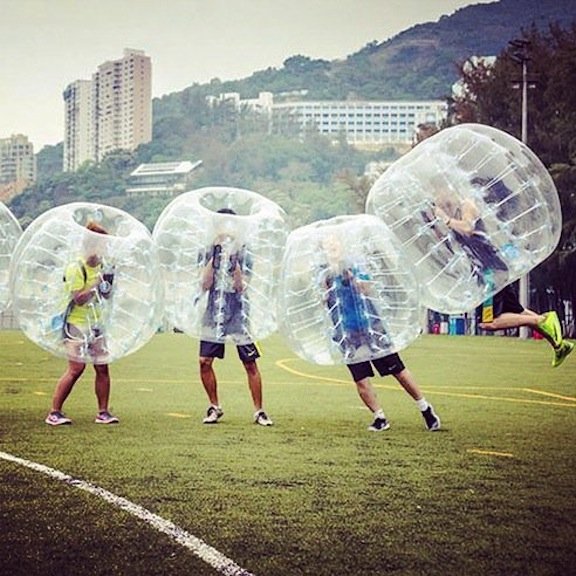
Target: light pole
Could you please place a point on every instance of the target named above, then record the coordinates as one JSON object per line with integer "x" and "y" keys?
{"x": 520, "y": 55}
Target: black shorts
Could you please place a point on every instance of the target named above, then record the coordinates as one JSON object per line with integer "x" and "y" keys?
{"x": 246, "y": 352}
{"x": 507, "y": 301}
{"x": 387, "y": 365}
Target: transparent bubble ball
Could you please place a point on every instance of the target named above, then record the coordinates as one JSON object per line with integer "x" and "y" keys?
{"x": 220, "y": 269}
{"x": 491, "y": 177}
{"x": 58, "y": 255}
{"x": 346, "y": 295}
{"x": 10, "y": 232}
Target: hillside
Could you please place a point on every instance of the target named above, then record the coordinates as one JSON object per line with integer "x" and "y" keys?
{"x": 420, "y": 62}
{"x": 417, "y": 63}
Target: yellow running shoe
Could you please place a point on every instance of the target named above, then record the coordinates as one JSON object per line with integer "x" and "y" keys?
{"x": 561, "y": 353}
{"x": 551, "y": 329}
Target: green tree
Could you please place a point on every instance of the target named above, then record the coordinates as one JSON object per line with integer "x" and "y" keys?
{"x": 49, "y": 161}
{"x": 491, "y": 97}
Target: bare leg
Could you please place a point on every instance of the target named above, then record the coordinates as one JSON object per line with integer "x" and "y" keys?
{"x": 102, "y": 386}
{"x": 367, "y": 394}
{"x": 513, "y": 320}
{"x": 406, "y": 380}
{"x": 66, "y": 383}
{"x": 526, "y": 318}
{"x": 254, "y": 383}
{"x": 208, "y": 377}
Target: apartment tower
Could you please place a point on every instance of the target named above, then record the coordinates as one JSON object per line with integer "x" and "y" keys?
{"x": 112, "y": 111}
{"x": 17, "y": 165}
{"x": 78, "y": 124}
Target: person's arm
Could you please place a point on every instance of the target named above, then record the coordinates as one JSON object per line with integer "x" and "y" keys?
{"x": 464, "y": 225}
{"x": 362, "y": 286}
{"x": 80, "y": 291}
{"x": 242, "y": 270}
{"x": 211, "y": 266}
{"x": 208, "y": 276}
{"x": 106, "y": 281}
{"x": 360, "y": 281}
{"x": 84, "y": 295}
{"x": 325, "y": 282}
{"x": 238, "y": 278}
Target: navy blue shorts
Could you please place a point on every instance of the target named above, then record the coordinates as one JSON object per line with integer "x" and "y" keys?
{"x": 387, "y": 365}
{"x": 246, "y": 352}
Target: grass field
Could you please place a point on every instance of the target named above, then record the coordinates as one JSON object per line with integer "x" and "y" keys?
{"x": 494, "y": 492}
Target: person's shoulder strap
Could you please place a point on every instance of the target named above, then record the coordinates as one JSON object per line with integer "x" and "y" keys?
{"x": 82, "y": 267}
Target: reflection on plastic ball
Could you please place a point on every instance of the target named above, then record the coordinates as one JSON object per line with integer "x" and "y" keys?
{"x": 84, "y": 282}
{"x": 475, "y": 210}
{"x": 346, "y": 294}
{"x": 220, "y": 250}
{"x": 10, "y": 233}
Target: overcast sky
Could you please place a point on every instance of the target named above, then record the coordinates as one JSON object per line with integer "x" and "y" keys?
{"x": 46, "y": 44}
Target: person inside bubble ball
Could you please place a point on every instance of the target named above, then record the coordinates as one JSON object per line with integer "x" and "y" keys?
{"x": 347, "y": 295}
{"x": 88, "y": 284}
{"x": 225, "y": 277}
{"x": 346, "y": 292}
{"x": 504, "y": 310}
{"x": 462, "y": 217}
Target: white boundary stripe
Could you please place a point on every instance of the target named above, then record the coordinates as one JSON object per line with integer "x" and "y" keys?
{"x": 205, "y": 552}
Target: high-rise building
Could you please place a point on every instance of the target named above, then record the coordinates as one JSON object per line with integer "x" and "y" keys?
{"x": 123, "y": 95}
{"x": 17, "y": 165}
{"x": 78, "y": 124}
{"x": 112, "y": 111}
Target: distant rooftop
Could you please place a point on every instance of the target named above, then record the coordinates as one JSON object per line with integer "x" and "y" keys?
{"x": 162, "y": 179}
{"x": 166, "y": 168}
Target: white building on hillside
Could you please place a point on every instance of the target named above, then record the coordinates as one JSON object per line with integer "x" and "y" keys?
{"x": 163, "y": 179}
{"x": 363, "y": 122}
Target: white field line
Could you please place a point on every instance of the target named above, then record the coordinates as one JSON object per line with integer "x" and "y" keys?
{"x": 205, "y": 552}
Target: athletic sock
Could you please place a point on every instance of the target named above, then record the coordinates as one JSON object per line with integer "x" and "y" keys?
{"x": 422, "y": 404}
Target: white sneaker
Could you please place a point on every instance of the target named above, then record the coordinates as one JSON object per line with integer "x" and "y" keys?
{"x": 213, "y": 414}
{"x": 57, "y": 418}
{"x": 261, "y": 418}
{"x": 105, "y": 417}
